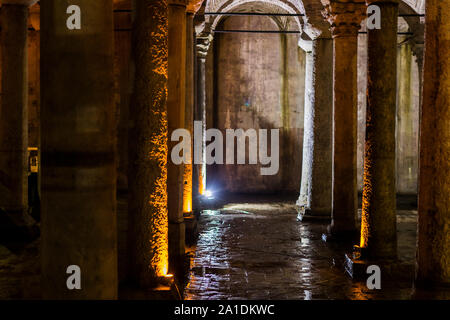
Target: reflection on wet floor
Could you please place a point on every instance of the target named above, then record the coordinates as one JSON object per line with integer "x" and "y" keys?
{"x": 256, "y": 249}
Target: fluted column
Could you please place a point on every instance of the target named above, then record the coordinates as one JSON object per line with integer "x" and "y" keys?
{"x": 14, "y": 107}
{"x": 147, "y": 175}
{"x": 176, "y": 105}
{"x": 378, "y": 221}
{"x": 345, "y": 19}
{"x": 433, "y": 256}
{"x": 78, "y": 151}
{"x": 316, "y": 183}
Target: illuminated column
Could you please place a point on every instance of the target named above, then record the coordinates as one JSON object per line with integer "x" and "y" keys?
{"x": 433, "y": 258}
{"x": 203, "y": 43}
{"x": 316, "y": 185}
{"x": 189, "y": 115}
{"x": 345, "y": 19}
{"x": 78, "y": 151}
{"x": 378, "y": 221}
{"x": 147, "y": 178}
{"x": 14, "y": 107}
{"x": 176, "y": 105}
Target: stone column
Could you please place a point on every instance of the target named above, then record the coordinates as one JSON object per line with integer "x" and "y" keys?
{"x": 378, "y": 221}
{"x": 345, "y": 19}
{"x": 433, "y": 255}
{"x": 78, "y": 151}
{"x": 189, "y": 111}
{"x": 14, "y": 109}
{"x": 316, "y": 184}
{"x": 147, "y": 175}
{"x": 176, "y": 105}
{"x": 407, "y": 121}
{"x": 203, "y": 43}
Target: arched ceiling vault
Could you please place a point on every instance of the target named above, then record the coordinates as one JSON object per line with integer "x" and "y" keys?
{"x": 263, "y": 6}
{"x": 312, "y": 23}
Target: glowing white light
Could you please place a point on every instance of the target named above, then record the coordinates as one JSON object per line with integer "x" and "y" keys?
{"x": 208, "y": 194}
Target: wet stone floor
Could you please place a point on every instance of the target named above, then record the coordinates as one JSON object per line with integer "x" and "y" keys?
{"x": 256, "y": 249}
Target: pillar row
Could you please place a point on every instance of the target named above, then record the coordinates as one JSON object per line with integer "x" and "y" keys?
{"x": 147, "y": 175}
{"x": 316, "y": 183}
{"x": 345, "y": 19}
{"x": 433, "y": 255}
{"x": 78, "y": 152}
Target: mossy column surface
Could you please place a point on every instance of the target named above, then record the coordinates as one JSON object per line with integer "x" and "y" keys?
{"x": 316, "y": 185}
{"x": 433, "y": 257}
{"x": 147, "y": 175}
{"x": 345, "y": 19}
{"x": 78, "y": 150}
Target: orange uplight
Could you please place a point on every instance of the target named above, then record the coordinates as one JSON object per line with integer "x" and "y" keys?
{"x": 201, "y": 184}
{"x": 187, "y": 189}
{"x": 367, "y": 195}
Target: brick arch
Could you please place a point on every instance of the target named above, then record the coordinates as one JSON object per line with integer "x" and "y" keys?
{"x": 275, "y": 6}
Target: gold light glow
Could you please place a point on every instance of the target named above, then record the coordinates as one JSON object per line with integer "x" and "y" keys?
{"x": 187, "y": 188}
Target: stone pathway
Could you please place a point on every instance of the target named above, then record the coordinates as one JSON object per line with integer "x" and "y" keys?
{"x": 256, "y": 249}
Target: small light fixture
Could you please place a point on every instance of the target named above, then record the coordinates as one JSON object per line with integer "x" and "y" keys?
{"x": 208, "y": 194}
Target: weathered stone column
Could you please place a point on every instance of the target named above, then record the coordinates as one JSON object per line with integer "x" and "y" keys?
{"x": 407, "y": 121}
{"x": 345, "y": 19}
{"x": 316, "y": 185}
{"x": 147, "y": 177}
{"x": 203, "y": 43}
{"x": 14, "y": 108}
{"x": 78, "y": 151}
{"x": 378, "y": 221}
{"x": 433, "y": 257}
{"x": 176, "y": 105}
{"x": 189, "y": 111}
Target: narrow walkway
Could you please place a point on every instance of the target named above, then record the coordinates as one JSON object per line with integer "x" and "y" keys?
{"x": 256, "y": 249}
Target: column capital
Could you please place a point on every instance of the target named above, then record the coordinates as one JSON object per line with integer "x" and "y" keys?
{"x": 203, "y": 43}
{"x": 305, "y": 44}
{"x": 27, "y": 3}
{"x": 345, "y": 17}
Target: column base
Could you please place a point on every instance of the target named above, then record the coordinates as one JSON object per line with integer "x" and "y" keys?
{"x": 177, "y": 236}
{"x": 307, "y": 214}
{"x": 166, "y": 289}
{"x": 191, "y": 230}
{"x": 336, "y": 235}
{"x": 356, "y": 268}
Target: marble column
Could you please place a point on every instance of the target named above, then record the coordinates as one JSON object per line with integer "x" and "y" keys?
{"x": 147, "y": 175}
{"x": 345, "y": 19}
{"x": 14, "y": 107}
{"x": 378, "y": 220}
{"x": 433, "y": 255}
{"x": 78, "y": 152}
{"x": 203, "y": 43}
{"x": 189, "y": 111}
{"x": 316, "y": 183}
{"x": 176, "y": 105}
